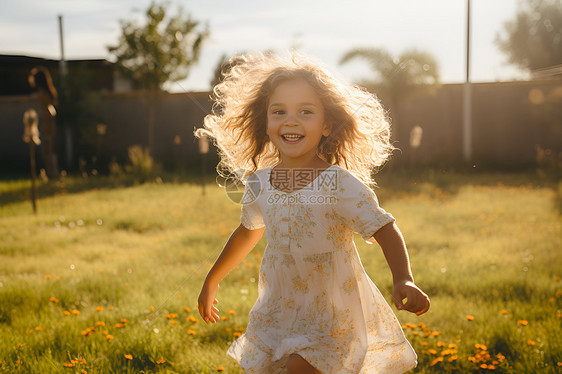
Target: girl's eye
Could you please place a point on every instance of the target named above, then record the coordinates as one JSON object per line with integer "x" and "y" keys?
{"x": 306, "y": 111}
{"x": 279, "y": 112}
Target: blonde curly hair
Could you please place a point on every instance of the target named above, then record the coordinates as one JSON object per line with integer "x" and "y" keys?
{"x": 360, "y": 136}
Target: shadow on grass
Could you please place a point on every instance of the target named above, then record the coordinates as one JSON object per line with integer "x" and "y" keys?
{"x": 446, "y": 182}
{"x": 393, "y": 182}
{"x": 19, "y": 190}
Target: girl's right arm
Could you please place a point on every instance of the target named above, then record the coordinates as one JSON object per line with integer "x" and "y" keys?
{"x": 240, "y": 243}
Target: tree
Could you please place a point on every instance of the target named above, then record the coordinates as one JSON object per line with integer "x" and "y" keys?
{"x": 162, "y": 50}
{"x": 533, "y": 40}
{"x": 396, "y": 77}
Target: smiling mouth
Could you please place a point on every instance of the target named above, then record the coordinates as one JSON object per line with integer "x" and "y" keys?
{"x": 292, "y": 138}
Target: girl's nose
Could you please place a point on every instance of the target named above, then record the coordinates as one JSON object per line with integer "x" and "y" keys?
{"x": 291, "y": 120}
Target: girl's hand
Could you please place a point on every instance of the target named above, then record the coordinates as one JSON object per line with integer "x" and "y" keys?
{"x": 418, "y": 302}
{"x": 206, "y": 301}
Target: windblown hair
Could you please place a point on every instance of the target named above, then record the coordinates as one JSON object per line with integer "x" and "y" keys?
{"x": 360, "y": 132}
{"x": 40, "y": 79}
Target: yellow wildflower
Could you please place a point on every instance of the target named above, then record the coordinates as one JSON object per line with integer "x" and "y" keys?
{"x": 438, "y": 359}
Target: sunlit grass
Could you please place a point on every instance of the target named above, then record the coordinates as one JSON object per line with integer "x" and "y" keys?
{"x": 106, "y": 279}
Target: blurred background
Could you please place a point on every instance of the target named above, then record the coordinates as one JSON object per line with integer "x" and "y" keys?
{"x": 467, "y": 84}
{"x": 98, "y": 103}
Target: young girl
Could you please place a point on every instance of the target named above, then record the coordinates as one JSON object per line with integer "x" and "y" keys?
{"x": 311, "y": 143}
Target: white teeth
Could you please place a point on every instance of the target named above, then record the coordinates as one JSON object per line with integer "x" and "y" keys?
{"x": 292, "y": 137}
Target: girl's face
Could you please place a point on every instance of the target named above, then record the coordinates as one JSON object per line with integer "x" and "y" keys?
{"x": 295, "y": 121}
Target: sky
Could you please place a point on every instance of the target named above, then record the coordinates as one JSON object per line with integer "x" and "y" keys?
{"x": 323, "y": 29}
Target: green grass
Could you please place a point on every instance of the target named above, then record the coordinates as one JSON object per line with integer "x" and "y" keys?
{"x": 479, "y": 243}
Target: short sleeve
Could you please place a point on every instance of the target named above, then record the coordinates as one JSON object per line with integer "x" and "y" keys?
{"x": 358, "y": 207}
{"x": 251, "y": 216}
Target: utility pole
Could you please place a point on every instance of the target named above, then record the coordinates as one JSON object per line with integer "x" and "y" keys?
{"x": 63, "y": 79}
{"x": 62, "y": 64}
{"x": 467, "y": 97}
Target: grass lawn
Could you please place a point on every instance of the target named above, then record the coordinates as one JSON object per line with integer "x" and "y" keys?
{"x": 105, "y": 277}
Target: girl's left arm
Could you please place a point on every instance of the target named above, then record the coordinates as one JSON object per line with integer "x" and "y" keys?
{"x": 393, "y": 245}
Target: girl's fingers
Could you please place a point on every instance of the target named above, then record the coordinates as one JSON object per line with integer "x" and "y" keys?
{"x": 420, "y": 304}
{"x": 417, "y": 301}
{"x": 424, "y": 307}
{"x": 412, "y": 301}
{"x": 428, "y": 303}
{"x": 209, "y": 315}
{"x": 214, "y": 318}
{"x": 402, "y": 294}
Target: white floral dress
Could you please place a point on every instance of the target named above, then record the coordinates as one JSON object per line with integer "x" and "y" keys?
{"x": 314, "y": 296}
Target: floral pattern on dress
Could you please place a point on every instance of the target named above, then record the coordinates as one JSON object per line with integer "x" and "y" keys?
{"x": 299, "y": 284}
{"x": 322, "y": 263}
{"x": 315, "y": 298}
{"x": 303, "y": 225}
{"x": 337, "y": 233}
{"x": 350, "y": 285}
{"x": 267, "y": 319}
{"x": 288, "y": 260}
